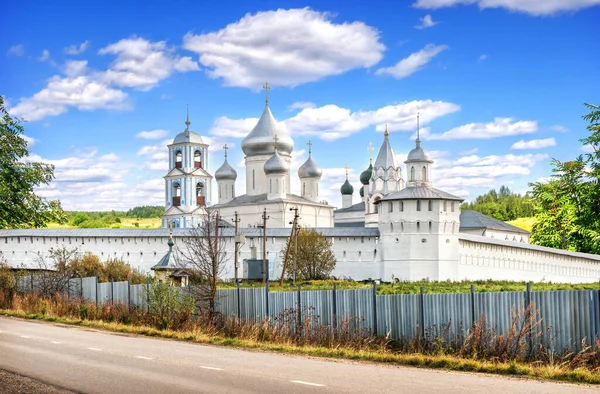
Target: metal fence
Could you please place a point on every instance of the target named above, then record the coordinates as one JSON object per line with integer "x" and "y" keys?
{"x": 568, "y": 318}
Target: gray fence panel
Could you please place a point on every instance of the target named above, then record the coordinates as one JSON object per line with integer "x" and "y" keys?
{"x": 89, "y": 289}
{"x": 253, "y": 304}
{"x": 499, "y": 308}
{"x": 121, "y": 292}
{"x": 447, "y": 315}
{"x": 226, "y": 302}
{"x": 398, "y": 315}
{"x": 282, "y": 304}
{"x": 139, "y": 296}
{"x": 318, "y": 305}
{"x": 104, "y": 292}
{"x": 355, "y": 308}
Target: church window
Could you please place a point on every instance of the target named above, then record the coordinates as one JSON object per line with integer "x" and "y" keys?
{"x": 445, "y": 206}
{"x": 391, "y": 206}
{"x": 178, "y": 159}
{"x": 401, "y": 227}
{"x": 412, "y": 173}
{"x": 344, "y": 254}
{"x": 424, "y": 174}
{"x": 303, "y": 189}
{"x": 200, "y": 194}
{"x": 197, "y": 159}
{"x": 418, "y": 226}
{"x": 270, "y": 186}
{"x": 418, "y": 205}
{"x": 452, "y": 206}
{"x": 392, "y": 227}
{"x": 176, "y": 195}
{"x": 430, "y": 226}
{"x": 376, "y": 205}
{"x": 401, "y": 206}
{"x": 253, "y": 181}
{"x": 429, "y": 205}
{"x": 232, "y": 192}
{"x": 220, "y": 190}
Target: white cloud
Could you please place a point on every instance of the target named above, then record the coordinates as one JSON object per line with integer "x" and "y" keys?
{"x": 286, "y": 48}
{"x": 559, "y": 128}
{"x": 152, "y": 134}
{"x": 413, "y": 63}
{"x": 16, "y": 50}
{"x": 482, "y": 57}
{"x": 301, "y": 105}
{"x": 165, "y": 97}
{"x": 587, "y": 148}
{"x": 76, "y": 49}
{"x": 141, "y": 64}
{"x": 44, "y": 56}
{"x": 235, "y": 128}
{"x": 534, "y": 144}
{"x": 426, "y": 22}
{"x": 81, "y": 92}
{"x": 470, "y": 151}
{"x": 75, "y": 68}
{"x": 30, "y": 140}
{"x": 500, "y": 127}
{"x": 532, "y": 7}
{"x": 157, "y": 156}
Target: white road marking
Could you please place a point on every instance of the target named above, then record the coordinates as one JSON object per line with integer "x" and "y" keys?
{"x": 308, "y": 383}
{"x": 56, "y": 343}
{"x": 212, "y": 368}
{"x": 95, "y": 349}
{"x": 25, "y": 336}
{"x": 144, "y": 358}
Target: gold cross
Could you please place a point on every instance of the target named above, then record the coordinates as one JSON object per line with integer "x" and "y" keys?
{"x": 266, "y": 87}
{"x": 347, "y": 168}
{"x": 225, "y": 147}
{"x": 309, "y": 147}
{"x": 370, "y": 149}
{"x": 275, "y": 139}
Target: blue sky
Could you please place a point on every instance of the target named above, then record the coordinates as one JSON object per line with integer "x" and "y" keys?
{"x": 500, "y": 86}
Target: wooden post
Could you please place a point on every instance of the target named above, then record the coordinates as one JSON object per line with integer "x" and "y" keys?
{"x": 236, "y": 248}
{"x": 289, "y": 245}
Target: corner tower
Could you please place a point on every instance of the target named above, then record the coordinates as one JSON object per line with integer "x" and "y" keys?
{"x": 188, "y": 183}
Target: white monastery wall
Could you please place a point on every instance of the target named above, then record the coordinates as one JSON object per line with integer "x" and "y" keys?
{"x": 498, "y": 234}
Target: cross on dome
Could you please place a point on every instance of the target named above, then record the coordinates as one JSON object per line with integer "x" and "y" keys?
{"x": 225, "y": 148}
{"x": 347, "y": 168}
{"x": 187, "y": 118}
{"x": 275, "y": 139}
{"x": 418, "y": 139}
{"x": 309, "y": 147}
{"x": 370, "y": 149}
{"x": 385, "y": 133}
{"x": 266, "y": 87}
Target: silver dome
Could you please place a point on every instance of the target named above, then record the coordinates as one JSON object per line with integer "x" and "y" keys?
{"x": 276, "y": 165}
{"x": 310, "y": 169}
{"x": 418, "y": 154}
{"x": 260, "y": 140}
{"x": 188, "y": 137}
{"x": 226, "y": 172}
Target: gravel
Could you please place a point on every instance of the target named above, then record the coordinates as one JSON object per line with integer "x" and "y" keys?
{"x": 11, "y": 383}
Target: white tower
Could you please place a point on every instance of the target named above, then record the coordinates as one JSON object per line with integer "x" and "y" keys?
{"x": 277, "y": 170}
{"x": 310, "y": 174}
{"x": 259, "y": 146}
{"x": 386, "y": 176}
{"x": 418, "y": 165}
{"x": 347, "y": 190}
{"x": 187, "y": 184}
{"x": 226, "y": 177}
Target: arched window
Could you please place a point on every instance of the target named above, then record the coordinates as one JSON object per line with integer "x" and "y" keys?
{"x": 418, "y": 205}
{"x": 200, "y": 194}
{"x": 429, "y": 205}
{"x": 176, "y": 195}
{"x": 376, "y": 205}
{"x": 391, "y": 206}
{"x": 392, "y": 227}
{"x": 303, "y": 188}
{"x": 401, "y": 206}
{"x": 270, "y": 186}
{"x": 178, "y": 159}
{"x": 424, "y": 174}
{"x": 418, "y": 226}
{"x": 412, "y": 173}
{"x": 253, "y": 181}
{"x": 430, "y": 226}
{"x": 197, "y": 159}
{"x": 232, "y": 191}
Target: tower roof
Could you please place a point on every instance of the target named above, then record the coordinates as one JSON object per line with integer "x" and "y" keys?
{"x": 310, "y": 169}
{"x": 187, "y": 136}
{"x": 386, "y": 157}
{"x": 347, "y": 188}
{"x": 418, "y": 154}
{"x": 366, "y": 175}
{"x": 260, "y": 140}
{"x": 225, "y": 172}
{"x": 169, "y": 261}
{"x": 276, "y": 165}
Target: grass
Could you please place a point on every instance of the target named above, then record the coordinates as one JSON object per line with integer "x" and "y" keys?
{"x": 125, "y": 223}
{"x": 481, "y": 286}
{"x": 524, "y": 223}
{"x": 548, "y": 372}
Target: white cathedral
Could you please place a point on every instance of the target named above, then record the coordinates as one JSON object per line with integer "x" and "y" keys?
{"x": 403, "y": 228}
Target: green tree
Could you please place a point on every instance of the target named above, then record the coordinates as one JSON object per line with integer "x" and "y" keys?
{"x": 312, "y": 257}
{"x": 502, "y": 205}
{"x": 567, "y": 205}
{"x": 20, "y": 206}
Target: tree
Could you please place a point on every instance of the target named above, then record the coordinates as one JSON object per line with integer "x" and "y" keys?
{"x": 502, "y": 205}
{"x": 567, "y": 205}
{"x": 20, "y": 206}
{"x": 312, "y": 257}
{"x": 204, "y": 254}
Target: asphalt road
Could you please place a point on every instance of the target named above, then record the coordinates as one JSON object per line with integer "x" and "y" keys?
{"x": 97, "y": 362}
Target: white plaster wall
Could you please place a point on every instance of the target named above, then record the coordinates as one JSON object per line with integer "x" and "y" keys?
{"x": 499, "y": 234}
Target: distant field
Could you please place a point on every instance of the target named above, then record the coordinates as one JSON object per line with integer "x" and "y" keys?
{"x": 524, "y": 223}
{"x": 125, "y": 223}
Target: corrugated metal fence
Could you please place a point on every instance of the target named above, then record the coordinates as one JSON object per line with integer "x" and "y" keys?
{"x": 567, "y": 318}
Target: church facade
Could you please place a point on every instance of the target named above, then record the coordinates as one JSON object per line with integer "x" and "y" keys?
{"x": 402, "y": 228}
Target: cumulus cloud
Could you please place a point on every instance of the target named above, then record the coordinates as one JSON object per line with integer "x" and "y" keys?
{"x": 413, "y": 63}
{"x": 75, "y": 68}
{"x": 286, "y": 48}
{"x": 426, "y": 22}
{"x": 236, "y": 128}
{"x": 30, "y": 141}
{"x": 152, "y": 134}
{"x": 141, "y": 64}
{"x": 559, "y": 128}
{"x": 16, "y": 50}
{"x": 534, "y": 144}
{"x": 301, "y": 105}
{"x": 532, "y": 7}
{"x": 76, "y": 49}
{"x": 44, "y": 56}
{"x": 588, "y": 148}
{"x": 500, "y": 127}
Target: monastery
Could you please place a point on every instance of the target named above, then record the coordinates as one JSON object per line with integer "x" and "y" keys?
{"x": 403, "y": 227}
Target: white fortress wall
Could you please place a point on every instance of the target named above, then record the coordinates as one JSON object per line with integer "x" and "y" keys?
{"x": 489, "y": 258}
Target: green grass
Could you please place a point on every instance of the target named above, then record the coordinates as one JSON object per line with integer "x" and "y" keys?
{"x": 524, "y": 223}
{"x": 481, "y": 286}
{"x": 446, "y": 362}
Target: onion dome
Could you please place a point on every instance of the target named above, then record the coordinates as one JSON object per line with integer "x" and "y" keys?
{"x": 225, "y": 172}
{"x": 188, "y": 136}
{"x": 169, "y": 260}
{"x": 362, "y": 191}
{"x": 347, "y": 188}
{"x": 276, "y": 165}
{"x": 365, "y": 176}
{"x": 310, "y": 169}
{"x": 260, "y": 140}
{"x": 418, "y": 154}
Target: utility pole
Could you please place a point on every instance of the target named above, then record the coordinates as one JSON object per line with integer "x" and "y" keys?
{"x": 237, "y": 245}
{"x": 287, "y": 252}
{"x": 296, "y": 250}
{"x": 264, "y": 263}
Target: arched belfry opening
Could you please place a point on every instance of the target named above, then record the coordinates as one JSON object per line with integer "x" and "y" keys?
{"x": 200, "y": 201}
{"x": 176, "y": 195}
{"x": 178, "y": 159}
{"x": 424, "y": 174}
{"x": 197, "y": 159}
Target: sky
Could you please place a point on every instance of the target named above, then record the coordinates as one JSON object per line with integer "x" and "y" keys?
{"x": 500, "y": 86}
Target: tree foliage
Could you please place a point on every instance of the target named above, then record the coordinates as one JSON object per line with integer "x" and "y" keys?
{"x": 502, "y": 204}
{"x": 313, "y": 259}
{"x": 20, "y": 206}
{"x": 567, "y": 206}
